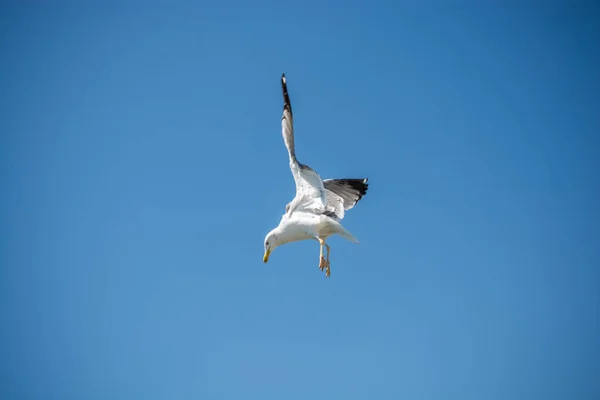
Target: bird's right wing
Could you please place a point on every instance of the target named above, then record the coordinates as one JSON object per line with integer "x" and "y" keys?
{"x": 343, "y": 194}
{"x": 310, "y": 192}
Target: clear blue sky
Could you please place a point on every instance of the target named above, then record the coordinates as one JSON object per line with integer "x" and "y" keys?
{"x": 142, "y": 165}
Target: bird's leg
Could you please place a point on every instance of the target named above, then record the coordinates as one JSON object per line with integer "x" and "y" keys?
{"x": 327, "y": 267}
{"x": 322, "y": 261}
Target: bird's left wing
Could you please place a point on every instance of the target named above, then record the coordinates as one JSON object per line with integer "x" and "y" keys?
{"x": 310, "y": 192}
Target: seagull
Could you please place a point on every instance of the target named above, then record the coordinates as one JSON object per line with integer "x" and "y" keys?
{"x": 319, "y": 205}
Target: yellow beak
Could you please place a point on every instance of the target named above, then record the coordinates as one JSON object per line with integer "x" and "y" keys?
{"x": 266, "y": 256}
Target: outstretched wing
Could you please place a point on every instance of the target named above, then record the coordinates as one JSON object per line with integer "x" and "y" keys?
{"x": 343, "y": 194}
{"x": 287, "y": 122}
{"x": 310, "y": 192}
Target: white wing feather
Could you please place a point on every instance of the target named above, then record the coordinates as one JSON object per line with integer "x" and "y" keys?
{"x": 310, "y": 192}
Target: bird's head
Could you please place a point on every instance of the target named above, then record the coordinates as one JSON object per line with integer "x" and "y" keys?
{"x": 270, "y": 243}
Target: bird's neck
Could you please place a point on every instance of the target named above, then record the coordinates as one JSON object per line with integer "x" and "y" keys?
{"x": 285, "y": 236}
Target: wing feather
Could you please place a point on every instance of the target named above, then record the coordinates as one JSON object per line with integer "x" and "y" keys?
{"x": 343, "y": 194}
{"x": 310, "y": 192}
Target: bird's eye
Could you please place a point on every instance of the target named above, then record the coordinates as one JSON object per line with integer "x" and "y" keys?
{"x": 267, "y": 243}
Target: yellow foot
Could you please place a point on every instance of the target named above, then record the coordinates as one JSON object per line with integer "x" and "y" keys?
{"x": 327, "y": 269}
{"x": 322, "y": 263}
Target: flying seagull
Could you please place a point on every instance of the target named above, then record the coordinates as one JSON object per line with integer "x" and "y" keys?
{"x": 319, "y": 205}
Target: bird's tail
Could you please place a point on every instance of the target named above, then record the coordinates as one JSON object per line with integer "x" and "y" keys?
{"x": 348, "y": 236}
{"x": 343, "y": 232}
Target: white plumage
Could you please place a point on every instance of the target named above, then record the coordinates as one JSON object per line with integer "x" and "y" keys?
{"x": 319, "y": 206}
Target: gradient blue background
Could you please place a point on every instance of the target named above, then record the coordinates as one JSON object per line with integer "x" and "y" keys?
{"x": 142, "y": 165}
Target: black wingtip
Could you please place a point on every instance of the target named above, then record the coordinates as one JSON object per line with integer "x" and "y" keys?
{"x": 286, "y": 97}
{"x": 360, "y": 185}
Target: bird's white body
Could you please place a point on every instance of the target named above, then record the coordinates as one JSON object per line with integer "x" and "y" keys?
{"x": 304, "y": 226}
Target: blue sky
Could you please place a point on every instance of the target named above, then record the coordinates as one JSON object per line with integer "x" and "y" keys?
{"x": 142, "y": 164}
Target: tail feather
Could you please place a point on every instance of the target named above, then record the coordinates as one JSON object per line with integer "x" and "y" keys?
{"x": 343, "y": 232}
{"x": 348, "y": 236}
